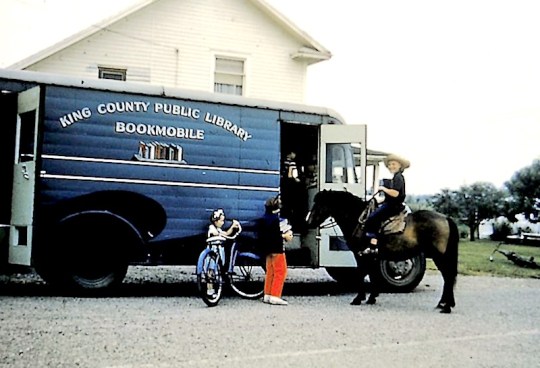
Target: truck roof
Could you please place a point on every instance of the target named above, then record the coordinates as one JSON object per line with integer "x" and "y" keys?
{"x": 140, "y": 88}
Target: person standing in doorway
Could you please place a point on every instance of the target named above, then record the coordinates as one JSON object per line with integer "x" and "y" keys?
{"x": 273, "y": 233}
{"x": 293, "y": 193}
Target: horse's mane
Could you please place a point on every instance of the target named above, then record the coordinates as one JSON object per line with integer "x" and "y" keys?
{"x": 340, "y": 196}
{"x": 344, "y": 200}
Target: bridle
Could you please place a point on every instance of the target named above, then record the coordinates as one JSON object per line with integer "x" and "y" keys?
{"x": 330, "y": 222}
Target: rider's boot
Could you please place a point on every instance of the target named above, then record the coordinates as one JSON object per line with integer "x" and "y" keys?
{"x": 369, "y": 245}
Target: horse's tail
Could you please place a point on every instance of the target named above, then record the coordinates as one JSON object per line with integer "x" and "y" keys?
{"x": 452, "y": 249}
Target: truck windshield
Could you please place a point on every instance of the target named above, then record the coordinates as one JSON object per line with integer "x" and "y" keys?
{"x": 340, "y": 166}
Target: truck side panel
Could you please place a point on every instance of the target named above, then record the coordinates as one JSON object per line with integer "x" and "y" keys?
{"x": 190, "y": 157}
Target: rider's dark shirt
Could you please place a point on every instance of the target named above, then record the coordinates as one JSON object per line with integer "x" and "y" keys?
{"x": 397, "y": 183}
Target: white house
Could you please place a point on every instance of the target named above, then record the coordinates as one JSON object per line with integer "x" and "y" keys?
{"x": 521, "y": 226}
{"x": 242, "y": 47}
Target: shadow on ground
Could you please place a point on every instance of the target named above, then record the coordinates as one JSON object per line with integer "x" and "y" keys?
{"x": 161, "y": 289}
{"x": 168, "y": 284}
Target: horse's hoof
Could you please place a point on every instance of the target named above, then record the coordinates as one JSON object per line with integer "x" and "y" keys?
{"x": 357, "y": 301}
{"x": 446, "y": 310}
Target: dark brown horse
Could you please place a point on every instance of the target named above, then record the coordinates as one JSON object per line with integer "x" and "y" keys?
{"x": 429, "y": 232}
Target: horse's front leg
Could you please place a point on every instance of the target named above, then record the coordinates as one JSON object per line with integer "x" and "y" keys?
{"x": 360, "y": 275}
{"x": 371, "y": 262}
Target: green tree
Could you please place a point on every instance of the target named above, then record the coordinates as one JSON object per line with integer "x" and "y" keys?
{"x": 419, "y": 202}
{"x": 471, "y": 204}
{"x": 524, "y": 193}
{"x": 447, "y": 202}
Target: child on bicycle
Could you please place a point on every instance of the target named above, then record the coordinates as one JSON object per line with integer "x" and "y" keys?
{"x": 217, "y": 220}
{"x": 215, "y": 229}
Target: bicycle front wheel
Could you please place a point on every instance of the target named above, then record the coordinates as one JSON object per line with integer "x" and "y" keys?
{"x": 210, "y": 280}
{"x": 247, "y": 278}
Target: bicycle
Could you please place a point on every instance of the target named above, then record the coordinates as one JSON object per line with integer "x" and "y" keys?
{"x": 521, "y": 261}
{"x": 244, "y": 273}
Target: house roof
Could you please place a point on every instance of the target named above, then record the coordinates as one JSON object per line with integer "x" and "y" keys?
{"x": 311, "y": 51}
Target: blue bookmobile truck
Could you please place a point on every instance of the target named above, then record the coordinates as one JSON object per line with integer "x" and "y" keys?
{"x": 98, "y": 175}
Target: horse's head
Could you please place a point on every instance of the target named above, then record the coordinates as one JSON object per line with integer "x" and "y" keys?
{"x": 320, "y": 210}
{"x": 336, "y": 204}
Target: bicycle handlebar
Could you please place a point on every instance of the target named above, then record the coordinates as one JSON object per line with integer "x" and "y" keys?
{"x": 222, "y": 237}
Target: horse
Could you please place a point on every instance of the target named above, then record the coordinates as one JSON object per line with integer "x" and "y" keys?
{"x": 429, "y": 232}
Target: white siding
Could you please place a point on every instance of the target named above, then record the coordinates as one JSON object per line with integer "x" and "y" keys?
{"x": 174, "y": 43}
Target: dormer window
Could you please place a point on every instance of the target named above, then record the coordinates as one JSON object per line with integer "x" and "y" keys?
{"x": 112, "y": 73}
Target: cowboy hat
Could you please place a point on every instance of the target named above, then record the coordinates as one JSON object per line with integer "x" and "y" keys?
{"x": 405, "y": 164}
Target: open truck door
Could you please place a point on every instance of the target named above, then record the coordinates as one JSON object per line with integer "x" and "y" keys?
{"x": 24, "y": 177}
{"x": 338, "y": 171}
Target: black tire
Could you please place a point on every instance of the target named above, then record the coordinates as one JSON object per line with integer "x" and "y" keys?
{"x": 210, "y": 280}
{"x": 87, "y": 252}
{"x": 392, "y": 276}
{"x": 401, "y": 276}
{"x": 247, "y": 279}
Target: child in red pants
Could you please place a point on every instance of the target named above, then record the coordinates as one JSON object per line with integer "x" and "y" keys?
{"x": 274, "y": 232}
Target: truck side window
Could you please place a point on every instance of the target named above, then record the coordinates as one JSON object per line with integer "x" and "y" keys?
{"x": 335, "y": 161}
{"x": 339, "y": 164}
{"x": 26, "y": 136}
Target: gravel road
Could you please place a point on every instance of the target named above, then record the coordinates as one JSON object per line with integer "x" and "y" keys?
{"x": 156, "y": 320}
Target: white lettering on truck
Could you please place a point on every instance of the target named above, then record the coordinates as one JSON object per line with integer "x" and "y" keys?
{"x": 159, "y": 131}
{"x": 177, "y": 110}
{"x": 75, "y": 116}
{"x": 227, "y": 125}
{"x": 122, "y": 106}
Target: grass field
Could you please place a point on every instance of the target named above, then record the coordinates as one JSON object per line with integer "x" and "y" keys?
{"x": 474, "y": 259}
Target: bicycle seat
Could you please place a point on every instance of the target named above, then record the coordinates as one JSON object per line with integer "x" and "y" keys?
{"x": 215, "y": 240}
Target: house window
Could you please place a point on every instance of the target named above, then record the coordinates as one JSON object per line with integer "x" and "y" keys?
{"x": 112, "y": 73}
{"x": 229, "y": 76}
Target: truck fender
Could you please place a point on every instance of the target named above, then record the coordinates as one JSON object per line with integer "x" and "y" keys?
{"x": 123, "y": 220}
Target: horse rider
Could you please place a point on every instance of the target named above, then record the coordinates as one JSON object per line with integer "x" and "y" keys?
{"x": 394, "y": 196}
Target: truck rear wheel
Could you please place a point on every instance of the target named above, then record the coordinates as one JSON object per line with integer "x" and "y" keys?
{"x": 89, "y": 251}
{"x": 401, "y": 276}
{"x": 393, "y": 276}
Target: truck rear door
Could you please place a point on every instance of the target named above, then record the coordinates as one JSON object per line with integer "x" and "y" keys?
{"x": 340, "y": 170}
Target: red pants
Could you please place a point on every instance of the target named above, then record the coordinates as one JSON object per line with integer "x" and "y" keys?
{"x": 276, "y": 271}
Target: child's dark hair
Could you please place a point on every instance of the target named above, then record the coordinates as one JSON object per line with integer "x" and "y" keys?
{"x": 273, "y": 203}
{"x": 216, "y": 215}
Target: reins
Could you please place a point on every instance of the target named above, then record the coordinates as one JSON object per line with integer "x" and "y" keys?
{"x": 331, "y": 224}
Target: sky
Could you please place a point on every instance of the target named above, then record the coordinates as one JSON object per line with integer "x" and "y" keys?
{"x": 453, "y": 86}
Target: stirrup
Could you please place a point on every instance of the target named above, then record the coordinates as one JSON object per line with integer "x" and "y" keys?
{"x": 368, "y": 251}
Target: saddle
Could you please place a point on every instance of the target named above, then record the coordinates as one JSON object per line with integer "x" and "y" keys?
{"x": 396, "y": 223}
{"x": 393, "y": 225}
